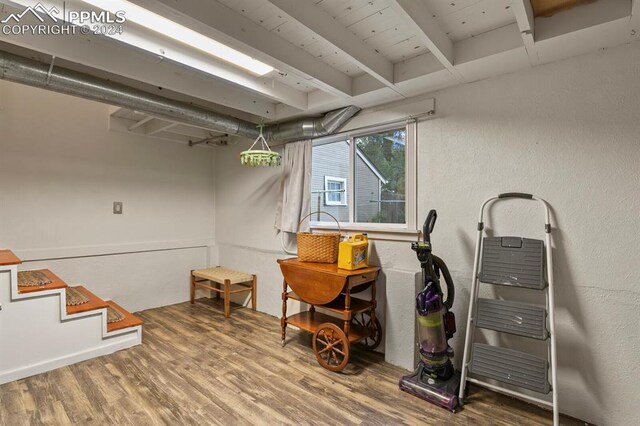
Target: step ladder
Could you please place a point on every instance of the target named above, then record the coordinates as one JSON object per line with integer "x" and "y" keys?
{"x": 522, "y": 263}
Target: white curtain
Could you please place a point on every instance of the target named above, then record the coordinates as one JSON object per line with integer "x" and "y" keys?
{"x": 295, "y": 196}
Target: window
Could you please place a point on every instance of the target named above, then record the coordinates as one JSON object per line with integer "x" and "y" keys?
{"x": 365, "y": 179}
{"x": 380, "y": 171}
{"x": 335, "y": 191}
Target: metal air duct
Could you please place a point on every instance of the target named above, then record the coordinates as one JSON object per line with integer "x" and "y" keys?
{"x": 38, "y": 74}
{"x": 307, "y": 128}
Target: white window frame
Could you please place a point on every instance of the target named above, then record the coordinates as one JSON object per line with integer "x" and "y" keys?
{"x": 390, "y": 231}
{"x": 343, "y": 195}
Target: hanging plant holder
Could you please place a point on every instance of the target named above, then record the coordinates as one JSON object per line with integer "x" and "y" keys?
{"x": 260, "y": 157}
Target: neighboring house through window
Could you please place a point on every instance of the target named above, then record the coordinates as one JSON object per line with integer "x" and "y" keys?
{"x": 365, "y": 179}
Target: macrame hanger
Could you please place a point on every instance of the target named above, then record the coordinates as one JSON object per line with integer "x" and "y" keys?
{"x": 263, "y": 157}
{"x": 263, "y": 141}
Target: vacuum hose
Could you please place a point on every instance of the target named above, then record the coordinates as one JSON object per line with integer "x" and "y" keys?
{"x": 451, "y": 291}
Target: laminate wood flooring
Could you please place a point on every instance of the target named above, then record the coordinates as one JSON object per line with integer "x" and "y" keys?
{"x": 196, "y": 368}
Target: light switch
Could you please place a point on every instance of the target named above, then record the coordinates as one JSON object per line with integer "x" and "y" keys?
{"x": 117, "y": 207}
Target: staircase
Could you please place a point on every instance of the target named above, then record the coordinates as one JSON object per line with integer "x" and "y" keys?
{"x": 39, "y": 332}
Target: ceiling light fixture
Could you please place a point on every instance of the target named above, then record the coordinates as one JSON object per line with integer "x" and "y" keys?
{"x": 171, "y": 29}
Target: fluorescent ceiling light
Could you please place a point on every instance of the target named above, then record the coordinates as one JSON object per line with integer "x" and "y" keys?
{"x": 168, "y": 28}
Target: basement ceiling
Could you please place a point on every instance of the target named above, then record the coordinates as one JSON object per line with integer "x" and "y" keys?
{"x": 332, "y": 53}
{"x": 461, "y": 19}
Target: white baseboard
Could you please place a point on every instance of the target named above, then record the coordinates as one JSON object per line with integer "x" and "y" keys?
{"x": 111, "y": 345}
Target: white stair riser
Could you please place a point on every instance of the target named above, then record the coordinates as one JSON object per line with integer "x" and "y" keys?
{"x": 37, "y": 335}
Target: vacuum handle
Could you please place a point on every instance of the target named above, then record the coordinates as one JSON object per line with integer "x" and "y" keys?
{"x": 516, "y": 195}
{"x": 429, "y": 224}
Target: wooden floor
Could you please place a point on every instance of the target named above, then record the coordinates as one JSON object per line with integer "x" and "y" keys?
{"x": 196, "y": 368}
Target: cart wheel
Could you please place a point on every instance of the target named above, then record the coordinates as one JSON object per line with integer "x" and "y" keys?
{"x": 375, "y": 331}
{"x": 331, "y": 347}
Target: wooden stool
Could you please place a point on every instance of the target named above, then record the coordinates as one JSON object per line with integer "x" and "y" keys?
{"x": 225, "y": 277}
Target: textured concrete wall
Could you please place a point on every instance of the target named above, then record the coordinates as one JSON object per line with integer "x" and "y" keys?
{"x": 567, "y": 132}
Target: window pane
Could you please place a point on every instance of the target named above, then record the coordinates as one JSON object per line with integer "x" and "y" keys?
{"x": 334, "y": 186}
{"x": 330, "y": 160}
{"x": 380, "y": 177}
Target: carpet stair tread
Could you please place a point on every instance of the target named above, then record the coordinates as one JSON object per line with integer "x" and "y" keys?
{"x": 129, "y": 320}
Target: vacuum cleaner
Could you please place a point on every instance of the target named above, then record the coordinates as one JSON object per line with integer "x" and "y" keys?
{"x": 434, "y": 379}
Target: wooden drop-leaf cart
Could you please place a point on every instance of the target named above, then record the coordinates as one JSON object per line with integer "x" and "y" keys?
{"x": 328, "y": 288}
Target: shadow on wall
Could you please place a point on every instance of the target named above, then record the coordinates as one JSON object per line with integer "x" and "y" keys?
{"x": 262, "y": 195}
{"x": 463, "y": 296}
{"x": 572, "y": 342}
{"x": 381, "y": 291}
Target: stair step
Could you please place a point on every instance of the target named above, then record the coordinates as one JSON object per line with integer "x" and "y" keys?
{"x": 512, "y": 317}
{"x": 8, "y": 258}
{"x": 129, "y": 320}
{"x": 511, "y": 367}
{"x": 56, "y": 283}
{"x": 94, "y": 303}
{"x": 513, "y": 261}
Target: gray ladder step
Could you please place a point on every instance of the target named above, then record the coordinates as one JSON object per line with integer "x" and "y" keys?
{"x": 513, "y": 261}
{"x": 512, "y": 317}
{"x": 511, "y": 367}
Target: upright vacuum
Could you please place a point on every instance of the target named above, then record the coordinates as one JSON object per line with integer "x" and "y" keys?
{"x": 434, "y": 379}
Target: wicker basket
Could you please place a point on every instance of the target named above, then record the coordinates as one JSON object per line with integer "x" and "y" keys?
{"x": 320, "y": 247}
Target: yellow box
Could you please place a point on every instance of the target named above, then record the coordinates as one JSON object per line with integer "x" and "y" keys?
{"x": 354, "y": 252}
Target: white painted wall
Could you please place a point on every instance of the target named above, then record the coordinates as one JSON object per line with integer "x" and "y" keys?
{"x": 60, "y": 172}
{"x": 567, "y": 132}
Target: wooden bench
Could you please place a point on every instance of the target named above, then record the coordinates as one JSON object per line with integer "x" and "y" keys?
{"x": 226, "y": 278}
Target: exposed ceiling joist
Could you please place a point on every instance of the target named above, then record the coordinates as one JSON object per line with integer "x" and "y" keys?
{"x": 320, "y": 22}
{"x": 124, "y": 120}
{"x": 139, "y": 123}
{"x": 583, "y": 29}
{"x": 191, "y": 131}
{"x": 157, "y": 126}
{"x": 227, "y": 26}
{"x": 476, "y": 58}
{"x": 526, "y": 23}
{"x": 416, "y": 15}
{"x": 167, "y": 48}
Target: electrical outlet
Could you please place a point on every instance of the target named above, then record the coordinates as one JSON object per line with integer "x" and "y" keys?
{"x": 117, "y": 207}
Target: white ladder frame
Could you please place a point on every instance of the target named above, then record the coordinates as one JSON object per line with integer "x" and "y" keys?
{"x": 549, "y": 304}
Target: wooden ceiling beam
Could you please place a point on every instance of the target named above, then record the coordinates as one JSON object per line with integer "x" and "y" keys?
{"x": 307, "y": 13}
{"x": 523, "y": 12}
{"x": 157, "y": 125}
{"x": 139, "y": 123}
{"x": 225, "y": 25}
{"x": 416, "y": 14}
{"x": 120, "y": 59}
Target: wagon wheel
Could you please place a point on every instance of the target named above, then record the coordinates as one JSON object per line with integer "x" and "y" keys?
{"x": 331, "y": 347}
{"x": 375, "y": 331}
